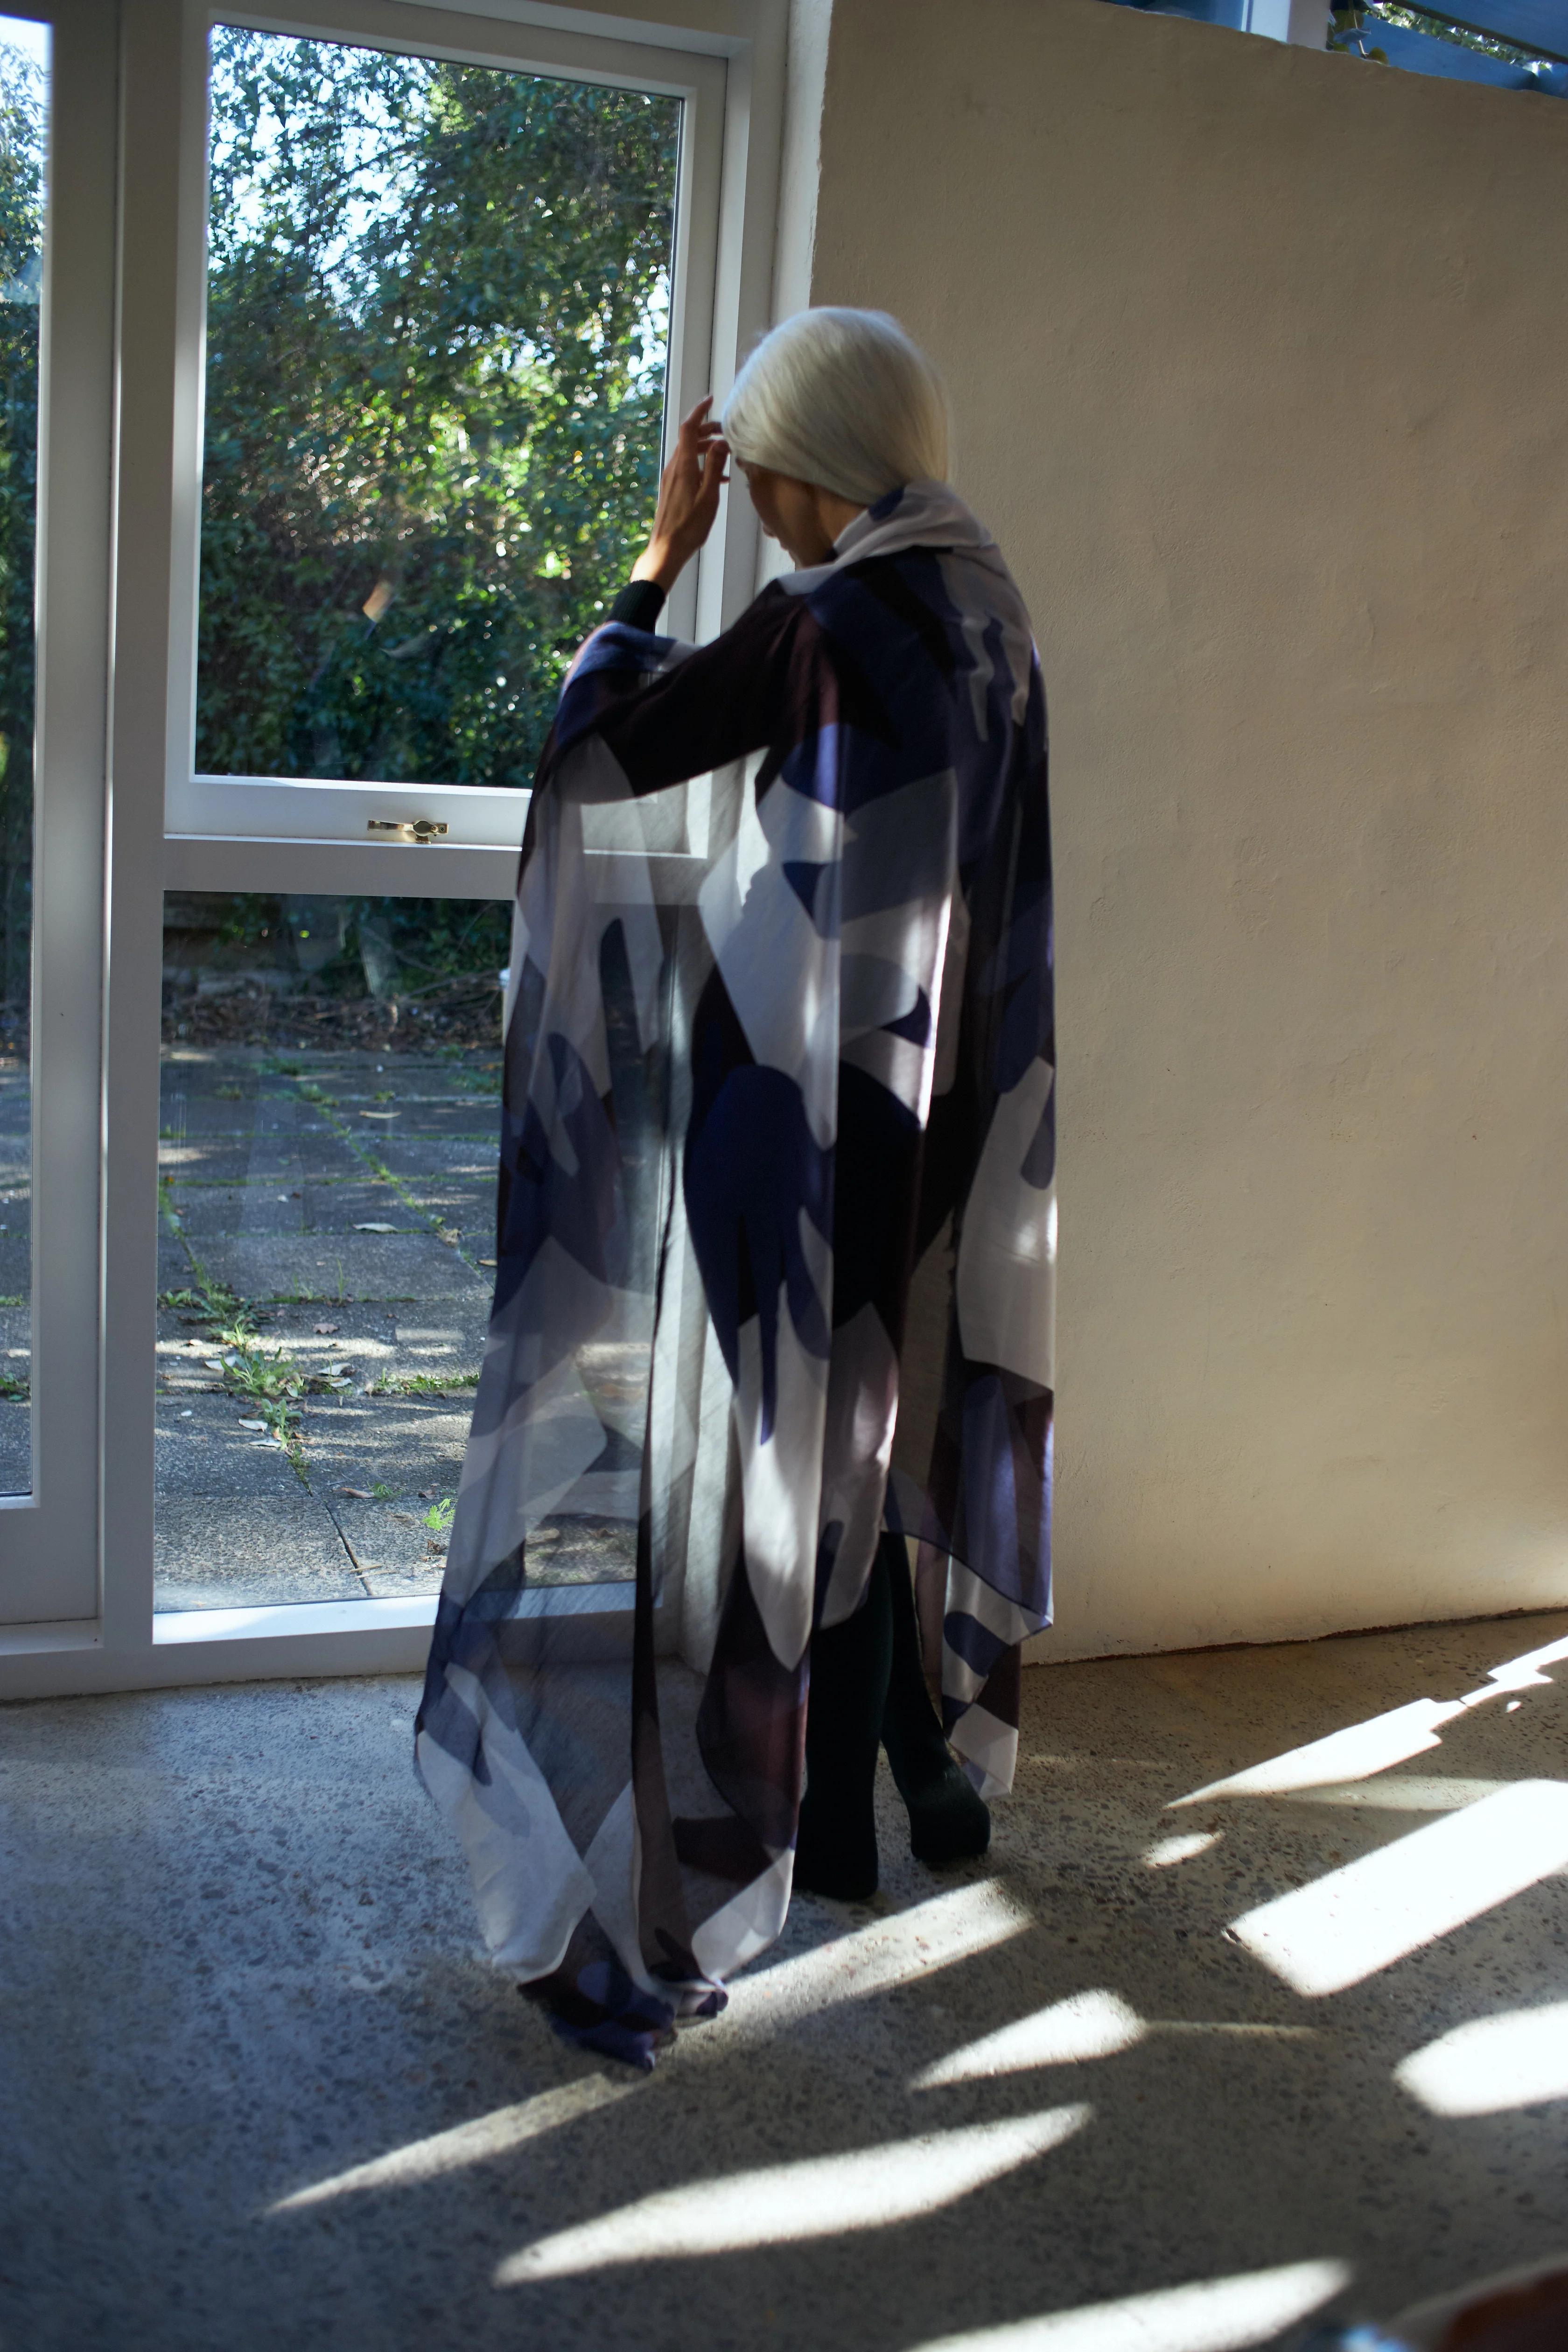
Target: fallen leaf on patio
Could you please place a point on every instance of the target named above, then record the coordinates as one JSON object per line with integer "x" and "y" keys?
{"x": 359, "y": 1493}
{"x": 327, "y": 1331}
{"x": 486, "y": 1261}
{"x": 375, "y": 1229}
{"x": 253, "y": 1424}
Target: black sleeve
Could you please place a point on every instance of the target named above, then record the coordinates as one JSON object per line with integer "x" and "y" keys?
{"x": 727, "y": 699}
{"x": 639, "y": 604}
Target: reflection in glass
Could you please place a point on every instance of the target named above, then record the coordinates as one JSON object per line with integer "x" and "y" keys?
{"x": 439, "y": 300}
{"x": 23, "y": 92}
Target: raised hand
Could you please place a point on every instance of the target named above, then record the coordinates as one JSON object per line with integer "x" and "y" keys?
{"x": 688, "y": 499}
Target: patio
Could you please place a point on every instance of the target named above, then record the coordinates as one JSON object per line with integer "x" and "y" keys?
{"x": 327, "y": 1229}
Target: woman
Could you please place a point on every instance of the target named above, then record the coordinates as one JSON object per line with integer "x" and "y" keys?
{"x": 776, "y": 1225}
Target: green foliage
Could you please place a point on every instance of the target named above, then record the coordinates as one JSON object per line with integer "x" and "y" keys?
{"x": 435, "y": 315}
{"x": 394, "y": 947}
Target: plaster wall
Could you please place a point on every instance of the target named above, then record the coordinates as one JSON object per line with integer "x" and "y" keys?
{"x": 1259, "y": 359}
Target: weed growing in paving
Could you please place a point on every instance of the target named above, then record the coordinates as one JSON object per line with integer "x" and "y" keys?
{"x": 423, "y": 1383}
{"x": 267, "y": 1378}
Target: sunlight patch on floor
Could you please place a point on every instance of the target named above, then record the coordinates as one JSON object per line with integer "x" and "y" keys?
{"x": 1348, "y": 1926}
{"x": 1084, "y": 2025}
{"x": 881, "y": 1956}
{"x": 1211, "y": 2316}
{"x": 1180, "y": 1849}
{"x": 471, "y": 2143}
{"x": 1361, "y": 1750}
{"x": 822, "y": 2197}
{"x": 1353, "y": 1754}
{"x": 1492, "y": 2063}
{"x": 1404, "y": 1793}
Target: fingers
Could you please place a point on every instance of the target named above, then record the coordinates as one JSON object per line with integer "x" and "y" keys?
{"x": 698, "y": 430}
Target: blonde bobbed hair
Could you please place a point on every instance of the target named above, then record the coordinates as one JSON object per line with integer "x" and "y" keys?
{"x": 841, "y": 399}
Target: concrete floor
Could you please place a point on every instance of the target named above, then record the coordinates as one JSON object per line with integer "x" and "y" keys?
{"x": 261, "y": 2090}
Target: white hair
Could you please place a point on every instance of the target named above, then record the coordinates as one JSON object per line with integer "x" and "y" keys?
{"x": 844, "y": 400}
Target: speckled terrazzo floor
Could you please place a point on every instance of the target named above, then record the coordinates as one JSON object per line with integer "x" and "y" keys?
{"x": 258, "y": 2088}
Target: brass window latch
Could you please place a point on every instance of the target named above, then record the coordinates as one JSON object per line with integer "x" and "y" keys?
{"x": 420, "y": 830}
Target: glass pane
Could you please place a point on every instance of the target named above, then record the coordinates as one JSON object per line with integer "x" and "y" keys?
{"x": 23, "y": 94}
{"x": 331, "y": 1093}
{"x": 438, "y": 316}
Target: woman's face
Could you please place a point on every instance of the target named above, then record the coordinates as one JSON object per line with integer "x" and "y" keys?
{"x": 791, "y": 512}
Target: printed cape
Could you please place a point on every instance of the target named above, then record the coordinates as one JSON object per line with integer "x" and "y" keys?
{"x": 776, "y": 1236}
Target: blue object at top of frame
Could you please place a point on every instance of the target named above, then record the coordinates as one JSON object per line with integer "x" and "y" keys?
{"x": 1538, "y": 27}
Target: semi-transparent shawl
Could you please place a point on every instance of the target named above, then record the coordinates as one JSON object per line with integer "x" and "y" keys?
{"x": 776, "y": 1233}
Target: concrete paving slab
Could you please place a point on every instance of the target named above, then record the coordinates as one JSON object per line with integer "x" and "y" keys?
{"x": 354, "y": 1266}
{"x": 338, "y": 1208}
{"x": 455, "y": 1200}
{"x": 225, "y": 1160}
{"x": 363, "y": 1337}
{"x": 454, "y": 1119}
{"x": 436, "y": 1343}
{"x": 201, "y": 1450}
{"x": 443, "y": 1158}
{"x": 422, "y": 1582}
{"x": 325, "y": 1157}
{"x": 183, "y": 1117}
{"x": 16, "y": 1261}
{"x": 206, "y": 1210}
{"x": 399, "y": 1442}
{"x": 174, "y": 1269}
{"x": 394, "y": 1548}
{"x": 16, "y": 1449}
{"x": 283, "y": 1550}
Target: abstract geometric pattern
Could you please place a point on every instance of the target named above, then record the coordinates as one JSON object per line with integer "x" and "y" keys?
{"x": 776, "y": 1233}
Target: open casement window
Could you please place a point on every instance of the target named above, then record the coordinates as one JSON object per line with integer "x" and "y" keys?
{"x": 354, "y": 342}
{"x": 490, "y": 298}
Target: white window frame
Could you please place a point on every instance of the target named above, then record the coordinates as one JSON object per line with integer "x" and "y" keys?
{"x": 49, "y": 1537}
{"x": 160, "y": 832}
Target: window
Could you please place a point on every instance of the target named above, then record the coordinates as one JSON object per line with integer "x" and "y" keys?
{"x": 360, "y": 337}
{"x": 24, "y": 97}
{"x": 1496, "y": 41}
{"x": 452, "y": 311}
{"x": 437, "y": 326}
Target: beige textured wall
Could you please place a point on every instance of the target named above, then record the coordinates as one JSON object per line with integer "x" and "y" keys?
{"x": 1260, "y": 364}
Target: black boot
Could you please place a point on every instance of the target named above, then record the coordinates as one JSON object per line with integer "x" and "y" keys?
{"x": 835, "y": 1846}
{"x": 949, "y": 1820}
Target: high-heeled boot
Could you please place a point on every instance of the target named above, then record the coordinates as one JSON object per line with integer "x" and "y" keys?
{"x": 949, "y": 1820}
{"x": 835, "y": 1846}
